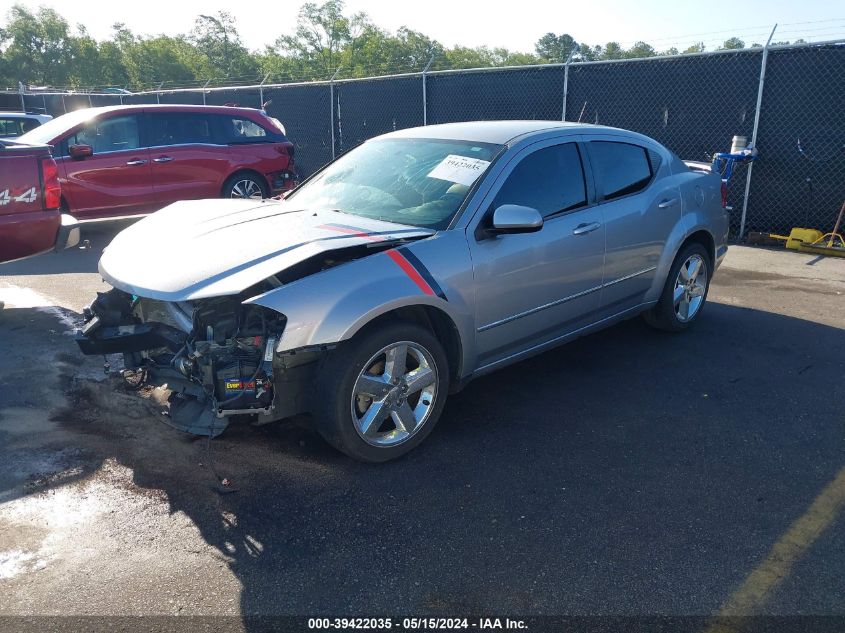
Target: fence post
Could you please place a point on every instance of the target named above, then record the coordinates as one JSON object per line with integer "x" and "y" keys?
{"x": 261, "y": 90}
{"x": 331, "y": 95}
{"x": 754, "y": 131}
{"x": 566, "y": 83}
{"x": 20, "y": 92}
{"x": 425, "y": 90}
{"x": 203, "y": 90}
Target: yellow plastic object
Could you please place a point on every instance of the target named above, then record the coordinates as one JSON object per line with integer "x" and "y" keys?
{"x": 827, "y": 244}
{"x": 797, "y": 237}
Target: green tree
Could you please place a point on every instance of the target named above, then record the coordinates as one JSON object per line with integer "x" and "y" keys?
{"x": 321, "y": 33}
{"x": 733, "y": 43}
{"x": 587, "y": 53}
{"x": 217, "y": 40}
{"x": 612, "y": 50}
{"x": 640, "y": 49}
{"x": 698, "y": 47}
{"x": 111, "y": 68}
{"x": 37, "y": 46}
{"x": 84, "y": 60}
{"x": 555, "y": 48}
{"x": 161, "y": 59}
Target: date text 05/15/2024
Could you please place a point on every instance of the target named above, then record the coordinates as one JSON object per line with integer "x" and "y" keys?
{"x": 418, "y": 624}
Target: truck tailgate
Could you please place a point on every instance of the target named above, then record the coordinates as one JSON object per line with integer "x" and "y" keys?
{"x": 26, "y": 226}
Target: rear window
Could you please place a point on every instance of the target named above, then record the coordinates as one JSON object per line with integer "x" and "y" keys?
{"x": 621, "y": 168}
{"x": 241, "y": 130}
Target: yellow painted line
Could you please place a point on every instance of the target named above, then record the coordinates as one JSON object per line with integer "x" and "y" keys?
{"x": 758, "y": 587}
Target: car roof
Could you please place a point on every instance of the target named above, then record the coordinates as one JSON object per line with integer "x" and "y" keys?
{"x": 170, "y": 107}
{"x": 499, "y": 132}
{"x": 28, "y": 115}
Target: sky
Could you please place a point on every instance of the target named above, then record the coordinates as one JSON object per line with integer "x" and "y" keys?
{"x": 514, "y": 25}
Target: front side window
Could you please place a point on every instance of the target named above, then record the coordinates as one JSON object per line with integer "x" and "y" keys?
{"x": 550, "y": 180}
{"x": 108, "y": 135}
{"x": 421, "y": 182}
{"x": 621, "y": 168}
{"x": 178, "y": 128}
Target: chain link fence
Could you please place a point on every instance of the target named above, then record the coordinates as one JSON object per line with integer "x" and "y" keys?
{"x": 694, "y": 104}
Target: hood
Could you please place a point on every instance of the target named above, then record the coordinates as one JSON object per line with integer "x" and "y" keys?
{"x": 210, "y": 248}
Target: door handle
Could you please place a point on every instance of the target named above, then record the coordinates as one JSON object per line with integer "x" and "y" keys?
{"x": 163, "y": 159}
{"x": 665, "y": 204}
{"x": 137, "y": 161}
{"x": 583, "y": 229}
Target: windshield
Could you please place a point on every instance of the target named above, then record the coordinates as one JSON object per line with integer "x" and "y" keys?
{"x": 51, "y": 129}
{"x": 421, "y": 182}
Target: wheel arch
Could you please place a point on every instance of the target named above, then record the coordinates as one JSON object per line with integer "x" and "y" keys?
{"x": 705, "y": 238}
{"x": 680, "y": 237}
{"x": 433, "y": 319}
{"x": 244, "y": 171}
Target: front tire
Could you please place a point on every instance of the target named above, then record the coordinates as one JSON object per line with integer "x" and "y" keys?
{"x": 246, "y": 186}
{"x": 685, "y": 292}
{"x": 380, "y": 394}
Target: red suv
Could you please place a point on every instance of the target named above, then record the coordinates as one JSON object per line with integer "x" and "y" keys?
{"x": 130, "y": 160}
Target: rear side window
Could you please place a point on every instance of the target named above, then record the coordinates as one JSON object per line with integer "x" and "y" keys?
{"x": 10, "y": 127}
{"x": 621, "y": 168}
{"x": 109, "y": 135}
{"x": 15, "y": 126}
{"x": 550, "y": 180}
{"x": 179, "y": 128}
{"x": 239, "y": 130}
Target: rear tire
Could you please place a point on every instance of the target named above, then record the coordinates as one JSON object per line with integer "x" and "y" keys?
{"x": 246, "y": 186}
{"x": 380, "y": 394}
{"x": 685, "y": 292}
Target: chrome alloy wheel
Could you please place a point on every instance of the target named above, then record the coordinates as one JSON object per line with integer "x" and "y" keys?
{"x": 394, "y": 394}
{"x": 246, "y": 189}
{"x": 690, "y": 287}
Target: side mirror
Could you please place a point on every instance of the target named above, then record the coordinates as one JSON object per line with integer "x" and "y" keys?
{"x": 80, "y": 151}
{"x": 513, "y": 218}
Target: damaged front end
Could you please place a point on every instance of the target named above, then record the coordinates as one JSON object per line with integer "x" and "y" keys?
{"x": 216, "y": 356}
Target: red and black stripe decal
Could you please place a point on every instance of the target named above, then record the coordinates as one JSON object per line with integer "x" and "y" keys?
{"x": 404, "y": 258}
{"x": 416, "y": 270}
{"x": 352, "y": 230}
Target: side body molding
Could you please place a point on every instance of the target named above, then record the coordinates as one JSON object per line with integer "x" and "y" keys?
{"x": 333, "y": 305}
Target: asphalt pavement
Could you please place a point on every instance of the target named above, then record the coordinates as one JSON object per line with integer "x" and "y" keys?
{"x": 630, "y": 472}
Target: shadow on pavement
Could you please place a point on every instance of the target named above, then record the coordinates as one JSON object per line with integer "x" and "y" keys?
{"x": 630, "y": 472}
{"x": 71, "y": 260}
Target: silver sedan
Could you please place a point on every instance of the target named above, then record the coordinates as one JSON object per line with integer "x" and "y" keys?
{"x": 396, "y": 274}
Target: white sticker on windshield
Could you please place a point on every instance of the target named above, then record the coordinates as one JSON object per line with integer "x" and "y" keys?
{"x": 459, "y": 169}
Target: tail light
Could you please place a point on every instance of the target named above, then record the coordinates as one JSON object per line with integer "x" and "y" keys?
{"x": 724, "y": 194}
{"x": 285, "y": 148}
{"x": 50, "y": 184}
